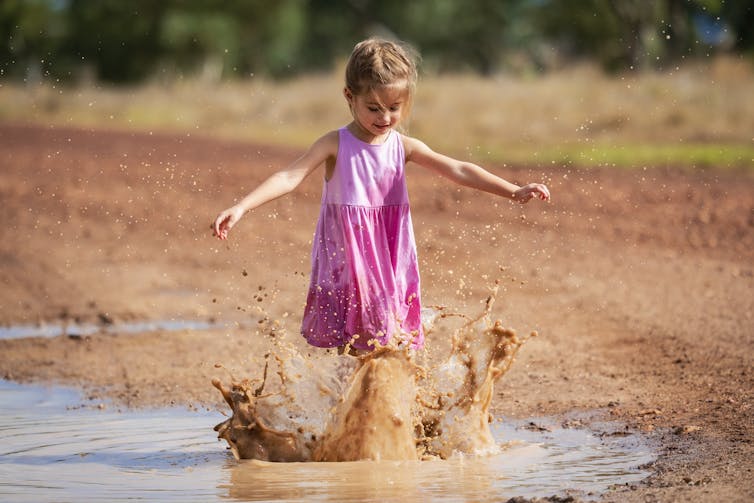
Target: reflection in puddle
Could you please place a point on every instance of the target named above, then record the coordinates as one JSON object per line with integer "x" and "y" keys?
{"x": 82, "y": 329}
{"x": 52, "y": 450}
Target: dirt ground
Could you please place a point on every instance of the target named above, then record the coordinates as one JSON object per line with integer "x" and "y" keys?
{"x": 639, "y": 282}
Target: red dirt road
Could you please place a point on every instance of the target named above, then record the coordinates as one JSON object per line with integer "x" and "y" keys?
{"x": 640, "y": 283}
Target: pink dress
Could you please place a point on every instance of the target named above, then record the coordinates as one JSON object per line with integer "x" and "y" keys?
{"x": 365, "y": 275}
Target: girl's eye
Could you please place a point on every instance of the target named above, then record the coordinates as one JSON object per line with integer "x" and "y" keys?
{"x": 373, "y": 109}
{"x": 394, "y": 109}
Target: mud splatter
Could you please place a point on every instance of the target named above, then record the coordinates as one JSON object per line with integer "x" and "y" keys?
{"x": 389, "y": 404}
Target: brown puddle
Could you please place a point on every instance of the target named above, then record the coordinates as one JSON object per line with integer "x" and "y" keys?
{"x": 55, "y": 445}
{"x": 388, "y": 405}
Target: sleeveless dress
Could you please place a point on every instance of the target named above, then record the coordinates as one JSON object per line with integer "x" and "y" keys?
{"x": 365, "y": 274}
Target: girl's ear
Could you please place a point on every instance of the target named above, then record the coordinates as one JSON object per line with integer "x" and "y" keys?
{"x": 349, "y": 95}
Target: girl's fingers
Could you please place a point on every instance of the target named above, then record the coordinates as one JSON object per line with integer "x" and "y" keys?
{"x": 535, "y": 190}
{"x": 220, "y": 226}
{"x": 544, "y": 192}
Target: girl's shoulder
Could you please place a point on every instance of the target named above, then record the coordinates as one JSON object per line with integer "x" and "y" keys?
{"x": 330, "y": 138}
{"x": 327, "y": 144}
{"x": 410, "y": 145}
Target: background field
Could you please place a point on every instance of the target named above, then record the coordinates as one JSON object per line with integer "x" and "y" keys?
{"x": 699, "y": 115}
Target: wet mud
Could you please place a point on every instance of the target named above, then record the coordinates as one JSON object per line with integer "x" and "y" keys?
{"x": 390, "y": 404}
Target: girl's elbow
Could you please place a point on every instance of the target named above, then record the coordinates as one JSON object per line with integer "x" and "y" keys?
{"x": 288, "y": 180}
{"x": 465, "y": 175}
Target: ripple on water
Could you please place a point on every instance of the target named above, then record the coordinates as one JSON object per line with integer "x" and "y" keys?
{"x": 51, "y": 449}
{"x": 137, "y": 327}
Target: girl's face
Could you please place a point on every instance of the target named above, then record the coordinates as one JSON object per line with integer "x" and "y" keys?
{"x": 377, "y": 111}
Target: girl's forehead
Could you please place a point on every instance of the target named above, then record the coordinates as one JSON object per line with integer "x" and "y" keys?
{"x": 387, "y": 94}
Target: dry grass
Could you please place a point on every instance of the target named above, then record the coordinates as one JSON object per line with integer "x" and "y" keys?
{"x": 697, "y": 114}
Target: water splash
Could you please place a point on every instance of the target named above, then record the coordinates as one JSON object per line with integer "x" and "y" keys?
{"x": 390, "y": 404}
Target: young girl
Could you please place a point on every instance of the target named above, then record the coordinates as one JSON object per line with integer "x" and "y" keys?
{"x": 365, "y": 280}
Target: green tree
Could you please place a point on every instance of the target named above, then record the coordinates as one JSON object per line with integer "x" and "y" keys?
{"x": 119, "y": 39}
{"x": 34, "y": 32}
{"x": 126, "y": 41}
{"x": 640, "y": 33}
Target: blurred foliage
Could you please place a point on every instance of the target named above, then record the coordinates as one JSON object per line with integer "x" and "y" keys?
{"x": 126, "y": 41}
{"x": 641, "y": 34}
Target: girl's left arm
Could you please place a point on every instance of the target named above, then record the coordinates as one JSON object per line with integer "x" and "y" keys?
{"x": 471, "y": 175}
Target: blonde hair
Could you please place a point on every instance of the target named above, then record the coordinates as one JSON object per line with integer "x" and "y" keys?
{"x": 377, "y": 62}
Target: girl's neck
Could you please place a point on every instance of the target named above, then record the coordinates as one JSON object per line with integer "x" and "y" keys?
{"x": 363, "y": 135}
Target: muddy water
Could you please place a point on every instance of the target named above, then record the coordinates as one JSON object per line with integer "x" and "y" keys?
{"x": 394, "y": 403}
{"x": 390, "y": 404}
{"x": 403, "y": 425}
{"x": 54, "y": 449}
{"x": 83, "y": 329}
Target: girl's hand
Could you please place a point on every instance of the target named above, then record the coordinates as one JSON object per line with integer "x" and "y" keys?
{"x": 225, "y": 222}
{"x": 527, "y": 192}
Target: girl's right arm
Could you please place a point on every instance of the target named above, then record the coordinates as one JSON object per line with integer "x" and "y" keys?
{"x": 279, "y": 184}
